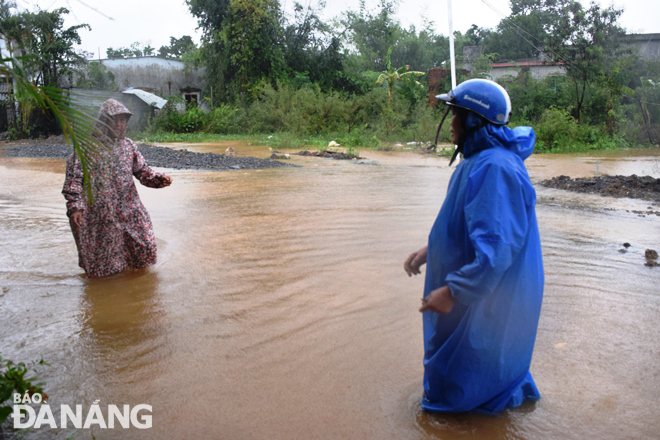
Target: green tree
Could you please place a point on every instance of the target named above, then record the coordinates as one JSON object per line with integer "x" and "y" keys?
{"x": 41, "y": 49}
{"x": 585, "y": 41}
{"x": 136, "y": 49}
{"x": 241, "y": 45}
{"x": 423, "y": 49}
{"x": 371, "y": 34}
{"x": 251, "y": 33}
{"x": 96, "y": 76}
{"x": 312, "y": 53}
{"x": 177, "y": 47}
{"x": 523, "y": 33}
{"x": 47, "y": 44}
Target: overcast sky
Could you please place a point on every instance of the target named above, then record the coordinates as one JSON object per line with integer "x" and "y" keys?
{"x": 119, "y": 23}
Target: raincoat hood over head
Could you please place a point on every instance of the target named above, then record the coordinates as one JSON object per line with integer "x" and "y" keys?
{"x": 480, "y": 136}
{"x": 107, "y": 111}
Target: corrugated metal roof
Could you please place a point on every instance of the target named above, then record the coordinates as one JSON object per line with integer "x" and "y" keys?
{"x": 147, "y": 97}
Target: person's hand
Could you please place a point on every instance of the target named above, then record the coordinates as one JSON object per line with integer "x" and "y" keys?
{"x": 438, "y": 301}
{"x": 415, "y": 261}
{"x": 76, "y": 218}
{"x": 166, "y": 180}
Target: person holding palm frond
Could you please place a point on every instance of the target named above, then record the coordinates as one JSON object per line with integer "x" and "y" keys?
{"x": 113, "y": 231}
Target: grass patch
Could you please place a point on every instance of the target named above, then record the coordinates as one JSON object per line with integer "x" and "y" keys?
{"x": 192, "y": 138}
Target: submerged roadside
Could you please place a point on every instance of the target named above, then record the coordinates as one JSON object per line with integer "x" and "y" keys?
{"x": 182, "y": 159}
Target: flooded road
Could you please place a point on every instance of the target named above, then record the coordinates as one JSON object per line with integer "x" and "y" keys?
{"x": 279, "y": 308}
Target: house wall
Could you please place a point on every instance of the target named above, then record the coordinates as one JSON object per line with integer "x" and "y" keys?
{"x": 646, "y": 45}
{"x": 160, "y": 76}
{"x": 537, "y": 71}
{"x": 89, "y": 101}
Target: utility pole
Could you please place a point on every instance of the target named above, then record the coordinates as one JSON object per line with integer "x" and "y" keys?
{"x": 452, "y": 55}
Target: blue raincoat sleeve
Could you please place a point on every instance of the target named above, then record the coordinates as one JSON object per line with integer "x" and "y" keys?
{"x": 485, "y": 245}
{"x": 496, "y": 215}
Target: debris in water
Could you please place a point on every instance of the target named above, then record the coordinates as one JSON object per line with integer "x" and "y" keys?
{"x": 330, "y": 154}
{"x": 651, "y": 255}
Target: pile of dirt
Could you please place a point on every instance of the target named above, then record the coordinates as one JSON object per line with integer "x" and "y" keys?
{"x": 56, "y": 147}
{"x": 330, "y": 154}
{"x": 636, "y": 187}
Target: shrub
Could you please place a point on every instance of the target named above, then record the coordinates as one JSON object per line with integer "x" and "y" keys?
{"x": 13, "y": 380}
{"x": 557, "y": 129}
{"x": 225, "y": 120}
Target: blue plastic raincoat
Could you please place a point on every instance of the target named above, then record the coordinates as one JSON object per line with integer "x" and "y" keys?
{"x": 485, "y": 245}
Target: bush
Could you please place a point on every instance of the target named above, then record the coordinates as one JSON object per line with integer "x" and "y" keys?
{"x": 13, "y": 380}
{"x": 305, "y": 111}
{"x": 179, "y": 117}
{"x": 558, "y": 131}
{"x": 225, "y": 120}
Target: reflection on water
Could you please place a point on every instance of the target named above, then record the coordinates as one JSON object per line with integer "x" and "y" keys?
{"x": 279, "y": 307}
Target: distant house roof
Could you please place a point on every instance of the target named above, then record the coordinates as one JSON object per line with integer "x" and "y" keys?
{"x": 147, "y": 97}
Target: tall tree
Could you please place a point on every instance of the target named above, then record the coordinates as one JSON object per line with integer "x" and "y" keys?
{"x": 313, "y": 53}
{"x": 48, "y": 45}
{"x": 177, "y": 47}
{"x": 241, "y": 44}
{"x": 421, "y": 49}
{"x": 585, "y": 41}
{"x": 371, "y": 34}
{"x": 521, "y": 35}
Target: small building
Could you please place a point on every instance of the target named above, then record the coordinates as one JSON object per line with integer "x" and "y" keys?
{"x": 537, "y": 69}
{"x": 144, "y": 85}
{"x": 89, "y": 101}
{"x": 161, "y": 76}
{"x": 647, "y": 46}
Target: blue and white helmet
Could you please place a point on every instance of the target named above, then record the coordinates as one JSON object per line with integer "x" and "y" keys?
{"x": 484, "y": 97}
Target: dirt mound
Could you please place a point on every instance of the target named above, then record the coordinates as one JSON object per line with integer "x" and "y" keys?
{"x": 636, "y": 187}
{"x": 56, "y": 147}
{"x": 329, "y": 154}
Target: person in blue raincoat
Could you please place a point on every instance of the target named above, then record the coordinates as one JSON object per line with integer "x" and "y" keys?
{"x": 484, "y": 276}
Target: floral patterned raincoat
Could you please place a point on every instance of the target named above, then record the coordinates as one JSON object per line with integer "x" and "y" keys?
{"x": 115, "y": 231}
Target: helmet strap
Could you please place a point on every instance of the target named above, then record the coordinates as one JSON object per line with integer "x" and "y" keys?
{"x": 442, "y": 121}
{"x": 459, "y": 149}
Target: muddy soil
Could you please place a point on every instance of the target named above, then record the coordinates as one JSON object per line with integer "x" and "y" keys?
{"x": 56, "y": 147}
{"x": 636, "y": 187}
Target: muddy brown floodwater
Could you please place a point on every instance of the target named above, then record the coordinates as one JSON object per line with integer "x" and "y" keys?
{"x": 279, "y": 308}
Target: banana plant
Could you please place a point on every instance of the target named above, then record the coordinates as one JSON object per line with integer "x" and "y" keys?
{"x": 391, "y": 75}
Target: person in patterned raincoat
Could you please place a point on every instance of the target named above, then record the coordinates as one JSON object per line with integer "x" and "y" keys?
{"x": 113, "y": 231}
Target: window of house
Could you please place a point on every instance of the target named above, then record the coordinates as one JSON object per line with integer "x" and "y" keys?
{"x": 191, "y": 98}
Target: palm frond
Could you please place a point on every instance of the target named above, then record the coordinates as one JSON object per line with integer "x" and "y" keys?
{"x": 78, "y": 128}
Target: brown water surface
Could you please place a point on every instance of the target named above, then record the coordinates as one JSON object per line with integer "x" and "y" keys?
{"x": 279, "y": 308}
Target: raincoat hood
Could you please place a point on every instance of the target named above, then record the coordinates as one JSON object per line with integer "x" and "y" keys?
{"x": 109, "y": 109}
{"x": 519, "y": 140}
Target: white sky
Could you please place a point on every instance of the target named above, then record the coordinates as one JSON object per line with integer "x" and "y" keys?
{"x": 119, "y": 23}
